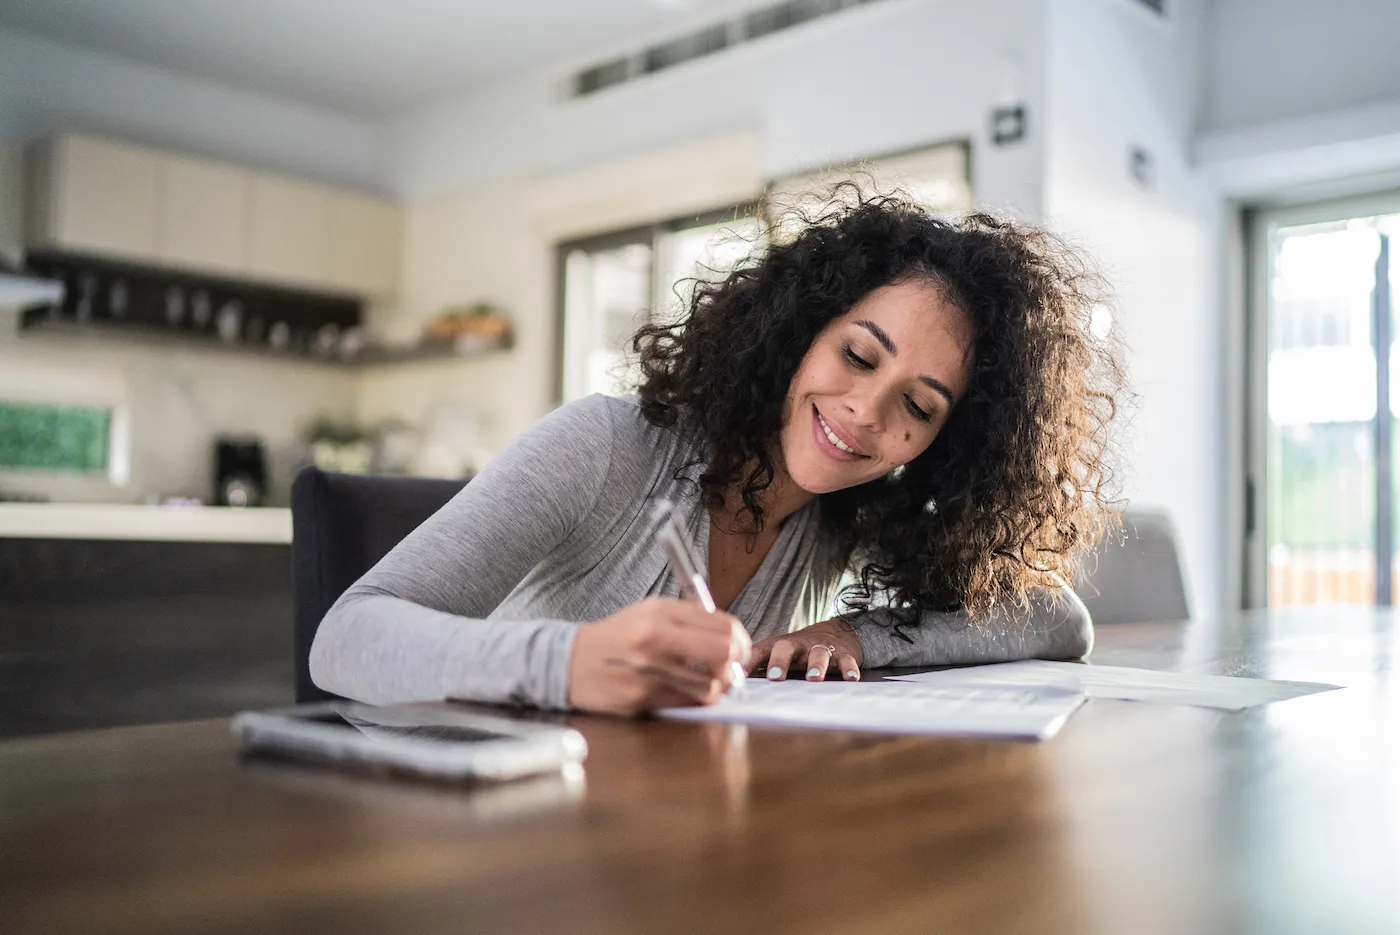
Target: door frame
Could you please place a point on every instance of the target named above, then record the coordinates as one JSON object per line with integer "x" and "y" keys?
{"x": 1260, "y": 223}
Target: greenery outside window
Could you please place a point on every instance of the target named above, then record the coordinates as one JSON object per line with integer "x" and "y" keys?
{"x": 55, "y": 438}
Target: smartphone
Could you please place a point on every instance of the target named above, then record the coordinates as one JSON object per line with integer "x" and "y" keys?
{"x": 434, "y": 741}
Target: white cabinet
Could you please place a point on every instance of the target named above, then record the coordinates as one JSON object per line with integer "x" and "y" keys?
{"x": 125, "y": 202}
{"x": 204, "y": 215}
{"x": 94, "y": 196}
{"x": 289, "y": 239}
{"x": 365, "y": 238}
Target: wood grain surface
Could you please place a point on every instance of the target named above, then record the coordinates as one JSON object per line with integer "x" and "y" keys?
{"x": 1136, "y": 819}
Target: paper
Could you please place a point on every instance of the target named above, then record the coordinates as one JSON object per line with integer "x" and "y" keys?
{"x": 1024, "y": 712}
{"x": 1125, "y": 684}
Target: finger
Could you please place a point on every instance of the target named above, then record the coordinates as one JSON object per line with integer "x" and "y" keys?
{"x": 780, "y": 659}
{"x": 656, "y": 673}
{"x": 657, "y": 697}
{"x": 818, "y": 661}
{"x": 758, "y": 658}
{"x": 740, "y": 644}
{"x": 665, "y": 696}
{"x": 847, "y": 666}
{"x": 668, "y": 683}
{"x": 705, "y": 652}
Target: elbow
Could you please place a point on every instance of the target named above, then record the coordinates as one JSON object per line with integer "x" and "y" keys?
{"x": 328, "y": 650}
{"x": 1078, "y": 628}
{"x": 318, "y": 663}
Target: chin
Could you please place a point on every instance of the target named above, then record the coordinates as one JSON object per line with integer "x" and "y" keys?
{"x": 810, "y": 473}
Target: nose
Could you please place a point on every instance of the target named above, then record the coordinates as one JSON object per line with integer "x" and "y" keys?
{"x": 865, "y": 409}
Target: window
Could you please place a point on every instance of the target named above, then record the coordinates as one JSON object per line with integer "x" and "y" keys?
{"x": 615, "y": 283}
{"x": 39, "y": 437}
{"x": 1324, "y": 400}
{"x": 612, "y": 284}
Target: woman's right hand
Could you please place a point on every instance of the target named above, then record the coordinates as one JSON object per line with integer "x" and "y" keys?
{"x": 658, "y": 653}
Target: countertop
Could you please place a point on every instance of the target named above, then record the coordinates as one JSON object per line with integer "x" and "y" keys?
{"x": 145, "y": 523}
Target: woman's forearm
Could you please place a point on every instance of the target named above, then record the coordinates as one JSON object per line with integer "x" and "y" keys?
{"x": 1057, "y": 626}
{"x": 381, "y": 649}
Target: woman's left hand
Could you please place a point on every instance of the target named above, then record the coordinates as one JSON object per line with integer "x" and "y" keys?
{"x": 815, "y": 650}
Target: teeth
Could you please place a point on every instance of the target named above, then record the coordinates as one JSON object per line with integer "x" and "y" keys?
{"x": 831, "y": 436}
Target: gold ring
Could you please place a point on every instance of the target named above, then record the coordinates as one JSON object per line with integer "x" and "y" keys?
{"x": 826, "y": 646}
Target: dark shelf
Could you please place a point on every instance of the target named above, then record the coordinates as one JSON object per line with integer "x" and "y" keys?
{"x": 148, "y": 335}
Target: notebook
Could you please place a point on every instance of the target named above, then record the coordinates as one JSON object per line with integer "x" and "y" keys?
{"x": 1033, "y": 712}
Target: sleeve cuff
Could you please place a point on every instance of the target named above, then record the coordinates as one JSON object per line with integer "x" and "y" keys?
{"x": 879, "y": 646}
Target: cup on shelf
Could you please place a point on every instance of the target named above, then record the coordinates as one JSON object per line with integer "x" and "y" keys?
{"x": 229, "y": 323}
{"x": 201, "y": 309}
{"x": 174, "y": 305}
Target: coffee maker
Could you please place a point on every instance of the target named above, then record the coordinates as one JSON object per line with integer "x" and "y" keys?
{"x": 240, "y": 472}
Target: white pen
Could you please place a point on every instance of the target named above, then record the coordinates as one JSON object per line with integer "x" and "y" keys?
{"x": 686, "y": 567}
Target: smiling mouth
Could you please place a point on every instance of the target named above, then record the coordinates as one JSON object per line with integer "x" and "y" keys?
{"x": 828, "y": 435}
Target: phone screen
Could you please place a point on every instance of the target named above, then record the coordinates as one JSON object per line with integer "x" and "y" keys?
{"x": 437, "y": 733}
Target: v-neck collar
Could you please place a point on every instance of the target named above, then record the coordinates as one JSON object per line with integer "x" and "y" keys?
{"x": 755, "y": 590}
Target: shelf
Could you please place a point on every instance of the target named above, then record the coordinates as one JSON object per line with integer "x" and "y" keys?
{"x": 151, "y": 335}
{"x": 377, "y": 354}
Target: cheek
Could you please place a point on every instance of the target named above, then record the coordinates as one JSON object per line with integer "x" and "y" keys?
{"x": 909, "y": 443}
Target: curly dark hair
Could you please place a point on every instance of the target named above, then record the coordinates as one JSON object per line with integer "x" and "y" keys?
{"x": 1018, "y": 481}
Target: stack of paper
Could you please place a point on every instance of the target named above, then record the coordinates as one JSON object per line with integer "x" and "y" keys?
{"x": 1208, "y": 691}
{"x": 1032, "y": 712}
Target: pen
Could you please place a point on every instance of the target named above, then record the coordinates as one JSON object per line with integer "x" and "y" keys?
{"x": 680, "y": 555}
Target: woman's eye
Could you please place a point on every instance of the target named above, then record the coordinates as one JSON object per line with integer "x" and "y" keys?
{"x": 857, "y": 360}
{"x": 916, "y": 412}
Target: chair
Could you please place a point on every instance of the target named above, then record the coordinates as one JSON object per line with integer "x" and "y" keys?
{"x": 1134, "y": 576}
{"x": 342, "y": 524}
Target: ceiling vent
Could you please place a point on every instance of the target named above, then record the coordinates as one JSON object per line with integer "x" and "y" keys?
{"x": 749, "y": 27}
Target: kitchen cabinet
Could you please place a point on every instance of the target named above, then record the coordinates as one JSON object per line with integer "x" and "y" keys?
{"x": 365, "y": 238}
{"x": 113, "y": 200}
{"x": 204, "y": 215}
{"x": 95, "y": 196}
{"x": 289, "y": 239}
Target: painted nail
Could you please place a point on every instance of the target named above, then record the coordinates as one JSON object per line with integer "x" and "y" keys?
{"x": 814, "y": 673}
{"x": 775, "y": 673}
{"x": 852, "y": 675}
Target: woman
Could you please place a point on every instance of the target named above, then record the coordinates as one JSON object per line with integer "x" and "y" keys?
{"x": 915, "y": 403}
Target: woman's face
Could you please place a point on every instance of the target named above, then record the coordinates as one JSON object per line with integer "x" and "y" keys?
{"x": 875, "y": 387}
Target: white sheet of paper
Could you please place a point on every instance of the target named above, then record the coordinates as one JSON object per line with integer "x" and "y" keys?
{"x": 1024, "y": 712}
{"x": 1126, "y": 684}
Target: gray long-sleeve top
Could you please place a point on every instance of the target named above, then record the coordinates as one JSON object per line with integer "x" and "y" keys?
{"x": 483, "y": 600}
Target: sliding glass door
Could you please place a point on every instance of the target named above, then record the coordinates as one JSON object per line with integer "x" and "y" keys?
{"x": 1321, "y": 522}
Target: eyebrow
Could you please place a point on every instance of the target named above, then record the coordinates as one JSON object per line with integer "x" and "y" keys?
{"x": 938, "y": 386}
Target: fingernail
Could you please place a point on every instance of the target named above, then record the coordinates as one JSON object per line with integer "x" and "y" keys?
{"x": 853, "y": 675}
{"x": 775, "y": 673}
{"x": 814, "y": 673}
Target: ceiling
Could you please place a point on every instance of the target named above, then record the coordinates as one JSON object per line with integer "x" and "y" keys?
{"x": 370, "y": 59}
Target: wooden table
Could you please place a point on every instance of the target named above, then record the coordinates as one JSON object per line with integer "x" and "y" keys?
{"x": 1137, "y": 819}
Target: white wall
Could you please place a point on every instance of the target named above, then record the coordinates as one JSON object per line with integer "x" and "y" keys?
{"x": 1301, "y": 99}
{"x": 1271, "y": 60}
{"x": 47, "y": 86}
{"x": 497, "y": 177}
{"x": 11, "y": 201}
{"x": 890, "y": 76}
{"x": 1117, "y": 78}
{"x": 496, "y": 241}
{"x": 177, "y": 400}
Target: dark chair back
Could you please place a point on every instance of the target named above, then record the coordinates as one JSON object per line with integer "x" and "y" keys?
{"x": 342, "y": 524}
{"x": 1134, "y": 576}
